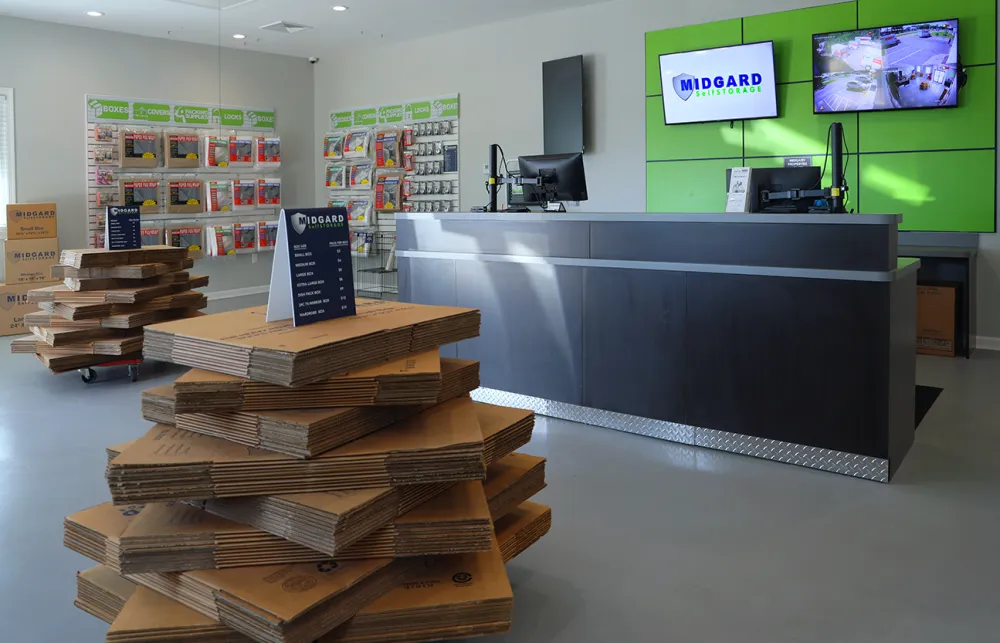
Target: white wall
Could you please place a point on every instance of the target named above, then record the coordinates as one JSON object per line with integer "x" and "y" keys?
{"x": 52, "y": 67}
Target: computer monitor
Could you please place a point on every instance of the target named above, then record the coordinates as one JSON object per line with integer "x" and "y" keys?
{"x": 781, "y": 179}
{"x": 563, "y": 177}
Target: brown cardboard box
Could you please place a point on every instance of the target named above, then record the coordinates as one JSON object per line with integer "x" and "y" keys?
{"x": 14, "y": 305}
{"x": 31, "y": 221}
{"x": 28, "y": 260}
{"x": 936, "y": 320}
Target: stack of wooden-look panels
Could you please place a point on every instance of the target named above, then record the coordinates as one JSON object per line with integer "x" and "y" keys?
{"x": 96, "y": 316}
{"x": 243, "y": 344}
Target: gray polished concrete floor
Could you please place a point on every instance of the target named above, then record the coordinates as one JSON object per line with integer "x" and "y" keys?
{"x": 651, "y": 541}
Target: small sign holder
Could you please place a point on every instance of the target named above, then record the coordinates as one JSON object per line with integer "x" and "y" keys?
{"x": 122, "y": 228}
{"x": 312, "y": 278}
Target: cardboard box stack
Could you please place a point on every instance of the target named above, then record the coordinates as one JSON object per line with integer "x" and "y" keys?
{"x": 374, "y": 501}
{"x": 31, "y": 247}
{"x": 98, "y": 313}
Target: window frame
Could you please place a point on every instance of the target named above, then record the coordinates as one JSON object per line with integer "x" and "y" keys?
{"x": 8, "y": 93}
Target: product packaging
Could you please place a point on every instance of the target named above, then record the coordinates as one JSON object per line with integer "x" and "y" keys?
{"x": 362, "y": 175}
{"x": 186, "y": 236}
{"x": 268, "y": 192}
{"x": 31, "y": 221}
{"x": 216, "y": 151}
{"x": 357, "y": 144}
{"x": 184, "y": 196}
{"x": 220, "y": 241}
{"x": 361, "y": 243}
{"x": 336, "y": 177}
{"x": 407, "y": 188}
{"x": 29, "y": 260}
{"x": 241, "y": 149}
{"x": 218, "y": 196}
{"x": 105, "y": 155}
{"x": 104, "y": 176}
{"x": 143, "y": 192}
{"x": 182, "y": 149}
{"x": 244, "y": 194}
{"x": 360, "y": 213}
{"x": 388, "y": 192}
{"x": 268, "y": 151}
{"x": 151, "y": 235}
{"x": 387, "y": 152}
{"x": 139, "y": 148}
{"x": 104, "y": 133}
{"x": 244, "y": 237}
{"x": 333, "y": 147}
{"x": 267, "y": 235}
{"x": 14, "y": 298}
{"x": 408, "y": 161}
{"x": 408, "y": 137}
{"x": 104, "y": 198}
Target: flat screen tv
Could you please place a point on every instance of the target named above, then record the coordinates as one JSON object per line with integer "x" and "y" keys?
{"x": 911, "y": 66}
{"x": 721, "y": 84}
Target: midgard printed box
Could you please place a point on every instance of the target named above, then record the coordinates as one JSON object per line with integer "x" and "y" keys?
{"x": 28, "y": 260}
{"x": 14, "y": 306}
{"x": 31, "y": 221}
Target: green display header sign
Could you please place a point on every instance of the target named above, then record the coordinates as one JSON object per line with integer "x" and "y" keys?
{"x": 103, "y": 109}
{"x": 402, "y": 113}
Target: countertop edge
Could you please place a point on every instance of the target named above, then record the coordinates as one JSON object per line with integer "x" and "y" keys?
{"x": 653, "y": 217}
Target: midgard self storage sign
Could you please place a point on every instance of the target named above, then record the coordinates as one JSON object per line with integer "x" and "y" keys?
{"x": 29, "y": 260}
{"x": 729, "y": 83}
{"x": 14, "y": 305}
{"x": 103, "y": 109}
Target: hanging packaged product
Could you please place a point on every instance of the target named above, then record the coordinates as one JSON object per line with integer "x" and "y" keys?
{"x": 267, "y": 235}
{"x": 333, "y": 147}
{"x": 388, "y": 192}
{"x": 387, "y": 153}
{"x": 139, "y": 148}
{"x": 408, "y": 137}
{"x": 184, "y": 196}
{"x": 151, "y": 235}
{"x": 336, "y": 177}
{"x": 104, "y": 133}
{"x": 240, "y": 151}
{"x": 244, "y": 194}
{"x": 104, "y": 198}
{"x": 218, "y": 196}
{"x": 337, "y": 203}
{"x": 182, "y": 149}
{"x": 220, "y": 241}
{"x": 245, "y": 237}
{"x": 360, "y": 213}
{"x": 186, "y": 236}
{"x": 362, "y": 175}
{"x": 361, "y": 243}
{"x": 144, "y": 193}
{"x": 268, "y": 192}
{"x": 105, "y": 155}
{"x": 268, "y": 152}
{"x": 407, "y": 188}
{"x": 408, "y": 161}
{"x": 357, "y": 144}
{"x": 216, "y": 151}
{"x": 104, "y": 176}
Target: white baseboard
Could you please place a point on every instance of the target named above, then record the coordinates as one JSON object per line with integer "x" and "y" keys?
{"x": 987, "y": 343}
{"x": 237, "y": 292}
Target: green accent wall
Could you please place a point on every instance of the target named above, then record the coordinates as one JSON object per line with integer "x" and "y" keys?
{"x": 937, "y": 167}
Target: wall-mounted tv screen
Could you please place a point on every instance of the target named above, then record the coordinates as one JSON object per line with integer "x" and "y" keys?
{"x": 911, "y": 66}
{"x": 722, "y": 84}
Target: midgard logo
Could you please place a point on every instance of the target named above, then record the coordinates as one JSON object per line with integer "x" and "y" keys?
{"x": 302, "y": 222}
{"x": 686, "y": 85}
{"x": 17, "y": 257}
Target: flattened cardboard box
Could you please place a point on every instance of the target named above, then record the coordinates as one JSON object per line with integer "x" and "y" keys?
{"x": 31, "y": 221}
{"x": 28, "y": 260}
{"x": 14, "y": 305}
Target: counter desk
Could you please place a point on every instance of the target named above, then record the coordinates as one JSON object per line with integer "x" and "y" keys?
{"x": 786, "y": 337}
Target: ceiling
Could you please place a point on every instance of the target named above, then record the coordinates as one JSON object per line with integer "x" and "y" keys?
{"x": 202, "y": 21}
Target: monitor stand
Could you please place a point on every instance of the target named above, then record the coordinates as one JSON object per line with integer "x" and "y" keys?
{"x": 555, "y": 206}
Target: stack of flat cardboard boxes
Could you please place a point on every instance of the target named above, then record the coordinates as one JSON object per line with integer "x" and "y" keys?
{"x": 97, "y": 314}
{"x": 255, "y": 511}
{"x": 31, "y": 247}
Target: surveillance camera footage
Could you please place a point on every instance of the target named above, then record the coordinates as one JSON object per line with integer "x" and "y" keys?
{"x": 900, "y": 67}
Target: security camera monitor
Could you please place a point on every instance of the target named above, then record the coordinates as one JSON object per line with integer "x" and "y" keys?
{"x": 909, "y": 66}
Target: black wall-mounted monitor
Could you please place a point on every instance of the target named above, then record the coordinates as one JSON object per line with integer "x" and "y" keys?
{"x": 562, "y": 105}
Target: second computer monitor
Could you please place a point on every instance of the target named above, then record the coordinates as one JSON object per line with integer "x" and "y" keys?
{"x": 563, "y": 177}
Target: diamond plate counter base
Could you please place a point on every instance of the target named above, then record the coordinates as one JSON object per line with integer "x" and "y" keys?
{"x": 848, "y": 464}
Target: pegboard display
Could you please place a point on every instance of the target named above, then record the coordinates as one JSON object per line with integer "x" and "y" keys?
{"x": 206, "y": 178}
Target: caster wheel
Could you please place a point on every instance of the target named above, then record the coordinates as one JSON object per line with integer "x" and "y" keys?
{"x": 133, "y": 373}
{"x": 89, "y": 375}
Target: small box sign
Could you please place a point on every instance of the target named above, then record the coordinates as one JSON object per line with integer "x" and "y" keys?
{"x": 31, "y": 221}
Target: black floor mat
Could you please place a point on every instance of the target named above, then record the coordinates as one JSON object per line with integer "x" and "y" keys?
{"x": 926, "y": 397}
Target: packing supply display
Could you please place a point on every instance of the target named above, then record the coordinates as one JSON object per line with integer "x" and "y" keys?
{"x": 241, "y": 151}
{"x": 269, "y": 192}
{"x": 96, "y": 315}
{"x": 187, "y": 237}
{"x": 216, "y": 151}
{"x": 140, "y": 148}
{"x": 183, "y": 149}
{"x": 267, "y": 235}
{"x": 244, "y": 194}
{"x": 151, "y": 235}
{"x": 219, "y": 196}
{"x": 185, "y": 196}
{"x": 268, "y": 152}
{"x": 141, "y": 192}
{"x": 220, "y": 240}
{"x": 245, "y": 237}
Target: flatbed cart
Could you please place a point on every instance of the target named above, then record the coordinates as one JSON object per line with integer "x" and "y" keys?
{"x": 89, "y": 375}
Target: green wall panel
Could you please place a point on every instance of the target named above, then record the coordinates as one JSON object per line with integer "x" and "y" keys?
{"x": 796, "y": 130}
{"x": 852, "y": 173}
{"x": 935, "y": 191}
{"x": 971, "y": 125}
{"x": 696, "y": 141}
{"x": 792, "y": 32}
{"x": 668, "y": 41}
{"x": 687, "y": 186}
{"x": 977, "y": 22}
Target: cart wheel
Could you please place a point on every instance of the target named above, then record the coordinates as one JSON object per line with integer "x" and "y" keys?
{"x": 133, "y": 372}
{"x": 88, "y": 375}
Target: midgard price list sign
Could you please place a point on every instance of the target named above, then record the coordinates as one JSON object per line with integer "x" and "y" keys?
{"x": 312, "y": 278}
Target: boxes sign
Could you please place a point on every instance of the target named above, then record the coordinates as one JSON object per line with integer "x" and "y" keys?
{"x": 13, "y": 307}
{"x": 28, "y": 260}
{"x": 936, "y": 313}
{"x": 31, "y": 221}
